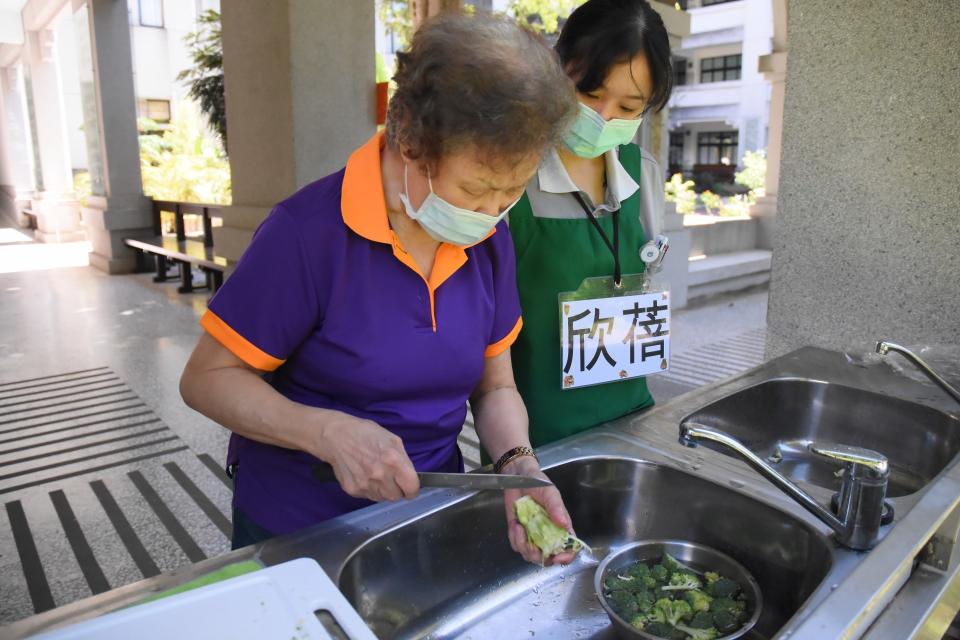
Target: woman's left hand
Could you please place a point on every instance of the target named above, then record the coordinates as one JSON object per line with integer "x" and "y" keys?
{"x": 549, "y": 498}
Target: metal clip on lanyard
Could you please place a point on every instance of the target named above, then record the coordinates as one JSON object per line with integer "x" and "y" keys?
{"x": 613, "y": 246}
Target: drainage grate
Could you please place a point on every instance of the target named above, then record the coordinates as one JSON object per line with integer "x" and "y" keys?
{"x": 98, "y": 492}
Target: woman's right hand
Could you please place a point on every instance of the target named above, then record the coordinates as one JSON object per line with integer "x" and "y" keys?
{"x": 369, "y": 461}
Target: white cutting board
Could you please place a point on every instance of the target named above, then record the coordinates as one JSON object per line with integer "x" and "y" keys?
{"x": 275, "y": 602}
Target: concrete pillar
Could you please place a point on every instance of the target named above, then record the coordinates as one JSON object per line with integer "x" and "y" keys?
{"x": 300, "y": 97}
{"x": 55, "y": 205}
{"x": 19, "y": 145}
{"x": 117, "y": 209}
{"x": 8, "y": 190}
{"x": 774, "y": 69}
{"x": 866, "y": 242}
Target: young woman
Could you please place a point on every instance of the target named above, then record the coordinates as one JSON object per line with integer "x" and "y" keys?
{"x": 383, "y": 297}
{"x": 618, "y": 55}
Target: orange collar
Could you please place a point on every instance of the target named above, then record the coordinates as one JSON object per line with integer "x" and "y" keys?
{"x": 361, "y": 198}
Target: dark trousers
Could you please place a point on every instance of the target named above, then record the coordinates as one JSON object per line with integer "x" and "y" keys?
{"x": 245, "y": 531}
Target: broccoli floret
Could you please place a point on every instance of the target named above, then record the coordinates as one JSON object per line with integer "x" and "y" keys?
{"x": 624, "y": 604}
{"x": 646, "y": 601}
{"x": 639, "y": 622}
{"x": 698, "y": 600}
{"x": 658, "y": 629}
{"x": 702, "y": 620}
{"x": 617, "y": 583}
{"x": 660, "y": 573}
{"x": 671, "y": 611}
{"x": 675, "y": 566}
{"x": 725, "y": 622}
{"x": 711, "y": 577}
{"x": 682, "y": 582}
{"x": 698, "y": 634}
{"x": 649, "y": 582}
{"x": 637, "y": 570}
{"x": 736, "y": 607}
{"x": 723, "y": 588}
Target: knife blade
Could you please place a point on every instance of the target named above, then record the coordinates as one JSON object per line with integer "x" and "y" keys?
{"x": 468, "y": 481}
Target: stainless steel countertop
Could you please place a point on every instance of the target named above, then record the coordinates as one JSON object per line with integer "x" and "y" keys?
{"x": 860, "y": 590}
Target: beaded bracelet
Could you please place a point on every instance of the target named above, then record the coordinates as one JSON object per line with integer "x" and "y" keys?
{"x": 511, "y": 455}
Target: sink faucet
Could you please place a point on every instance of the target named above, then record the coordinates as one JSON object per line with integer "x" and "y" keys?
{"x": 860, "y": 507}
{"x": 883, "y": 348}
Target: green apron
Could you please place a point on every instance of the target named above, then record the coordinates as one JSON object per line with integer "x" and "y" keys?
{"x": 553, "y": 256}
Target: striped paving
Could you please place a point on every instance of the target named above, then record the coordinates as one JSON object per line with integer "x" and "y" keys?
{"x": 97, "y": 492}
{"x": 689, "y": 369}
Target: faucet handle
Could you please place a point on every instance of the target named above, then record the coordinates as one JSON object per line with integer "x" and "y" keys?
{"x": 853, "y": 455}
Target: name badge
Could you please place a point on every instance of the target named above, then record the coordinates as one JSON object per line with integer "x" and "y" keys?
{"x": 609, "y": 334}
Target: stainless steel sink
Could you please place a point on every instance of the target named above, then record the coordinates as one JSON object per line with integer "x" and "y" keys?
{"x": 451, "y": 572}
{"x": 778, "y": 418}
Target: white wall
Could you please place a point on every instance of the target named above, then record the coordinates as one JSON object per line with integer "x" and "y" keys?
{"x": 160, "y": 54}
{"x": 744, "y": 27}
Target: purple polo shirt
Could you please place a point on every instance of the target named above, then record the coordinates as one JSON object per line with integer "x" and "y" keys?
{"x": 327, "y": 300}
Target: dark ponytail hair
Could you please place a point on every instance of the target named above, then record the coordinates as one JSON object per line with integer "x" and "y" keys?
{"x": 603, "y": 33}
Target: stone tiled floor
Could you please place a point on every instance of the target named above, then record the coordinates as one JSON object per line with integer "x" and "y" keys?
{"x": 106, "y": 477}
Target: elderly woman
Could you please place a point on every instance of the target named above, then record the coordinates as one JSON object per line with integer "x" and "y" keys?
{"x": 375, "y": 302}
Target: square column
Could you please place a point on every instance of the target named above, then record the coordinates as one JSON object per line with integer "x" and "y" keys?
{"x": 55, "y": 204}
{"x": 300, "y": 97}
{"x": 17, "y": 142}
{"x": 117, "y": 209}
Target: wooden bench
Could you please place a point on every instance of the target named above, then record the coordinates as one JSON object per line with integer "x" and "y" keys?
{"x": 186, "y": 254}
{"x": 180, "y": 249}
{"x": 31, "y": 218}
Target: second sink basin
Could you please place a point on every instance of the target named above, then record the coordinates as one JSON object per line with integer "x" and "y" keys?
{"x": 451, "y": 573}
{"x": 778, "y": 418}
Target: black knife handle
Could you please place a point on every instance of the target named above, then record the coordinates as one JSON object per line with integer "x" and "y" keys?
{"x": 323, "y": 472}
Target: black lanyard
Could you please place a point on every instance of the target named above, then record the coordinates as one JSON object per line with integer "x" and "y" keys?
{"x": 613, "y": 246}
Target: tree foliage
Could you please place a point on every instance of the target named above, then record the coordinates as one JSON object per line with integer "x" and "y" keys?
{"x": 184, "y": 164}
{"x": 205, "y": 77}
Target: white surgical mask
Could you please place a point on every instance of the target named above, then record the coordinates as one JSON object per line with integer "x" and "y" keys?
{"x": 592, "y": 136}
{"x": 449, "y": 223}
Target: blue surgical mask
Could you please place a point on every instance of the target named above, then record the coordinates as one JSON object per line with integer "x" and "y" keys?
{"x": 449, "y": 223}
{"x": 592, "y": 136}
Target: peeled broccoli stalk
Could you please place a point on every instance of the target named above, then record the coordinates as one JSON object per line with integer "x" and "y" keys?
{"x": 698, "y": 634}
{"x": 682, "y": 582}
{"x": 698, "y": 600}
{"x": 543, "y": 532}
{"x": 723, "y": 588}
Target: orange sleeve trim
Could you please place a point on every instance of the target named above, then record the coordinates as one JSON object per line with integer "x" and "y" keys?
{"x": 502, "y": 345}
{"x": 237, "y": 344}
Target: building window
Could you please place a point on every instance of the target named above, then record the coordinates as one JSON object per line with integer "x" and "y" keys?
{"x": 675, "y": 160}
{"x": 679, "y": 72}
{"x": 151, "y": 13}
{"x": 717, "y": 147}
{"x": 206, "y": 5}
{"x": 156, "y": 110}
{"x": 720, "y": 68}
